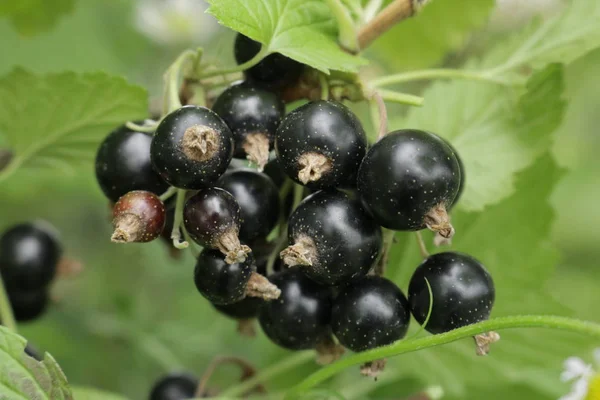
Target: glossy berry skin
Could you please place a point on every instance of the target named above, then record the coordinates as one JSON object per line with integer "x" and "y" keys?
{"x": 405, "y": 175}
{"x": 210, "y": 213}
{"x": 347, "y": 239}
{"x": 138, "y": 216}
{"x": 191, "y": 148}
{"x": 247, "y": 110}
{"x": 247, "y": 308}
{"x": 369, "y": 313}
{"x": 29, "y": 254}
{"x": 275, "y": 70}
{"x": 301, "y": 315}
{"x": 174, "y": 387}
{"x": 463, "y": 292}
{"x": 461, "y": 165}
{"x": 275, "y": 172}
{"x": 219, "y": 282}
{"x": 258, "y": 198}
{"x": 123, "y": 164}
{"x": 328, "y": 129}
{"x": 28, "y": 306}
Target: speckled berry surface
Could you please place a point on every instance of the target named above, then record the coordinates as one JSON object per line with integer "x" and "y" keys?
{"x": 326, "y": 128}
{"x": 171, "y": 161}
{"x": 301, "y": 315}
{"x": 219, "y": 282}
{"x": 248, "y": 109}
{"x": 463, "y": 292}
{"x": 370, "y": 313}
{"x": 258, "y": 198}
{"x": 347, "y": 239}
{"x": 406, "y": 174}
{"x": 210, "y": 213}
{"x": 123, "y": 164}
{"x": 275, "y": 70}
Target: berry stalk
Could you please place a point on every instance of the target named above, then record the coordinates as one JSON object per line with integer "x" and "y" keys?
{"x": 408, "y": 346}
{"x": 6, "y": 313}
{"x": 177, "y": 224}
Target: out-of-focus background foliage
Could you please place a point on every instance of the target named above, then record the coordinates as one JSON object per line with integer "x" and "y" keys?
{"x": 133, "y": 313}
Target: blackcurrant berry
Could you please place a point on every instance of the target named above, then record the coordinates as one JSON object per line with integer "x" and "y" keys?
{"x": 321, "y": 145}
{"x": 369, "y": 313}
{"x": 247, "y": 308}
{"x": 178, "y": 386}
{"x": 192, "y": 147}
{"x": 253, "y": 115}
{"x": 408, "y": 180}
{"x": 28, "y": 305}
{"x": 301, "y": 316}
{"x": 275, "y": 70}
{"x": 29, "y": 254}
{"x": 223, "y": 283}
{"x": 461, "y": 165}
{"x": 212, "y": 218}
{"x": 123, "y": 164}
{"x": 462, "y": 290}
{"x": 275, "y": 172}
{"x": 258, "y": 199}
{"x": 33, "y": 352}
{"x": 138, "y": 216}
{"x": 332, "y": 237}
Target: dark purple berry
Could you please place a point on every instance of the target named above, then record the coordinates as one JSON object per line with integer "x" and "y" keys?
{"x": 321, "y": 145}
{"x": 178, "y": 386}
{"x": 192, "y": 147}
{"x": 123, "y": 164}
{"x": 247, "y": 308}
{"x": 28, "y": 305}
{"x": 138, "y": 216}
{"x": 332, "y": 237}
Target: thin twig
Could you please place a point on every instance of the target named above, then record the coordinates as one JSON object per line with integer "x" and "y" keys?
{"x": 421, "y": 243}
{"x": 248, "y": 370}
{"x": 6, "y": 313}
{"x": 388, "y": 241}
{"x": 383, "y": 117}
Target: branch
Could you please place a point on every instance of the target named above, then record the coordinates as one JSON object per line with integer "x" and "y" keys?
{"x": 397, "y": 11}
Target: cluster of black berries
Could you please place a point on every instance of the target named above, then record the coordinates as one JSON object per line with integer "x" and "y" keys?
{"x": 322, "y": 286}
{"x": 29, "y": 256}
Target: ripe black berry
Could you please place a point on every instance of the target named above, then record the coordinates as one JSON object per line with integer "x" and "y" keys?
{"x": 174, "y": 387}
{"x": 321, "y": 145}
{"x": 138, "y": 216}
{"x": 275, "y": 172}
{"x": 247, "y": 308}
{"x": 192, "y": 147}
{"x": 461, "y": 165}
{"x": 29, "y": 254}
{"x": 223, "y": 283}
{"x": 408, "y": 180}
{"x": 462, "y": 290}
{"x": 253, "y": 115}
{"x": 332, "y": 237}
{"x": 369, "y": 313}
{"x": 258, "y": 199}
{"x": 301, "y": 316}
{"x": 123, "y": 164}
{"x": 275, "y": 70}
{"x": 28, "y": 305}
{"x": 212, "y": 218}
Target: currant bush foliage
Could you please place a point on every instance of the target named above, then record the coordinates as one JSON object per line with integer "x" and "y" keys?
{"x": 31, "y": 17}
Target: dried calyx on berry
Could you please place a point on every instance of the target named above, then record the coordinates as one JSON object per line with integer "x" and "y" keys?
{"x": 138, "y": 216}
{"x": 212, "y": 218}
{"x": 253, "y": 115}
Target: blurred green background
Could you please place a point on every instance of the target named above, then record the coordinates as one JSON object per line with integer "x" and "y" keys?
{"x": 134, "y": 314}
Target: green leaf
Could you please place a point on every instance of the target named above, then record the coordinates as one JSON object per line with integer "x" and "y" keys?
{"x": 300, "y": 29}
{"x": 496, "y": 131}
{"x": 443, "y": 26}
{"x": 31, "y": 17}
{"x": 23, "y": 377}
{"x": 567, "y": 36}
{"x": 511, "y": 240}
{"x": 84, "y": 393}
{"x": 58, "y": 120}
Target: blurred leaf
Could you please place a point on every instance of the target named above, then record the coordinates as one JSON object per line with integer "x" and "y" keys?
{"x": 23, "y": 377}
{"x": 511, "y": 240}
{"x": 58, "y": 120}
{"x": 442, "y": 27}
{"x": 496, "y": 132}
{"x": 83, "y": 393}
{"x": 567, "y": 36}
{"x": 31, "y": 17}
{"x": 300, "y": 29}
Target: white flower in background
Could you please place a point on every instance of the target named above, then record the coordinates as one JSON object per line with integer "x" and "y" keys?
{"x": 174, "y": 21}
{"x": 586, "y": 379}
